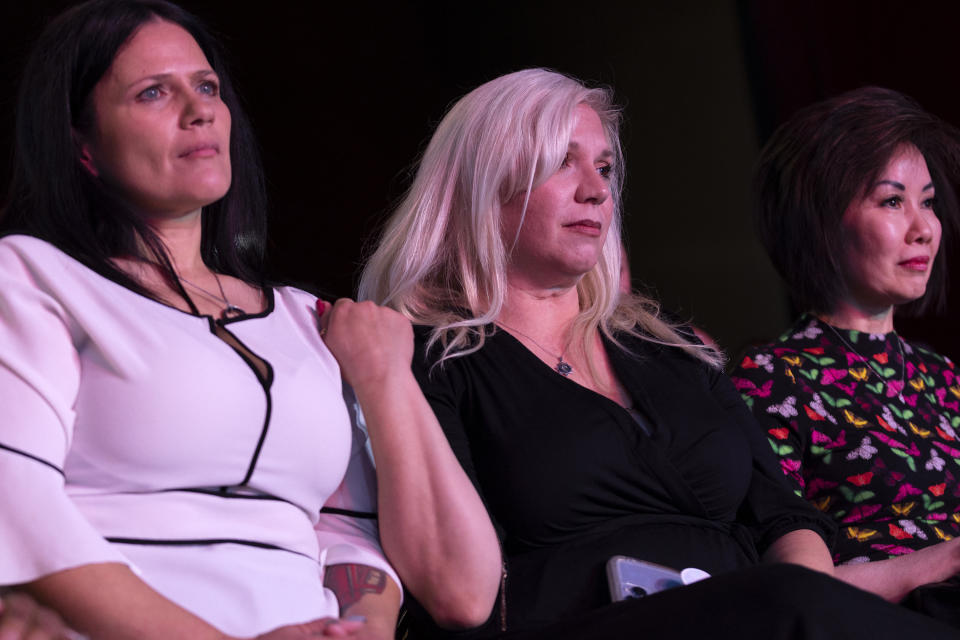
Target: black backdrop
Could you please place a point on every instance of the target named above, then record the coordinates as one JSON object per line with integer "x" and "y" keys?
{"x": 344, "y": 96}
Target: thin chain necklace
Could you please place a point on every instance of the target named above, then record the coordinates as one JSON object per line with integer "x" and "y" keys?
{"x": 562, "y": 367}
{"x": 871, "y": 367}
{"x": 230, "y": 310}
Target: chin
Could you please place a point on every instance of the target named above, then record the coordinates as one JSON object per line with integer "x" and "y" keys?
{"x": 913, "y": 294}
{"x": 581, "y": 266}
{"x": 209, "y": 193}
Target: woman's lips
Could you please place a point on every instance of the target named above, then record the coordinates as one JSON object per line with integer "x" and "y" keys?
{"x": 587, "y": 227}
{"x": 202, "y": 150}
{"x": 915, "y": 264}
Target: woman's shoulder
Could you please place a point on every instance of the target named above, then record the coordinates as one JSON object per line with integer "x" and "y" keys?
{"x": 429, "y": 351}
{"x": 35, "y": 261}
{"x": 434, "y": 361}
{"x": 641, "y": 345}
{"x": 31, "y": 249}
{"x": 295, "y": 295}
{"x": 789, "y": 360}
{"x": 928, "y": 356}
{"x": 791, "y": 345}
{"x": 804, "y": 334}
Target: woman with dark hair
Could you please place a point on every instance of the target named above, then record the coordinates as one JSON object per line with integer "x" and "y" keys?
{"x": 177, "y": 459}
{"x": 591, "y": 424}
{"x": 856, "y": 205}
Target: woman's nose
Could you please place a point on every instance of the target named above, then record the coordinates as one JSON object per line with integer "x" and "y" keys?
{"x": 197, "y": 110}
{"x": 593, "y": 187}
{"x": 922, "y": 223}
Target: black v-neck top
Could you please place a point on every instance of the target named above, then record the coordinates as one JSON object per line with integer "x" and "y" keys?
{"x": 570, "y": 478}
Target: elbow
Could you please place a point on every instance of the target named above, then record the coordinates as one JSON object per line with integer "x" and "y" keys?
{"x": 462, "y": 615}
{"x": 457, "y": 608}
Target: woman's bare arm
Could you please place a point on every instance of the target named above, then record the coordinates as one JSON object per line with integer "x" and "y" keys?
{"x": 894, "y": 578}
{"x": 803, "y": 547}
{"x": 434, "y": 528}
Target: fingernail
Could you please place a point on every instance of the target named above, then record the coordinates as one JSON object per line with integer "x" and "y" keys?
{"x": 321, "y": 308}
{"x": 356, "y": 618}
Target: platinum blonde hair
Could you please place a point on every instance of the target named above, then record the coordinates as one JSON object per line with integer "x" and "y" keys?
{"x": 442, "y": 258}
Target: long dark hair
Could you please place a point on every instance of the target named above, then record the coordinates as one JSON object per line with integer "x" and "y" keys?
{"x": 54, "y": 198}
{"x": 820, "y": 160}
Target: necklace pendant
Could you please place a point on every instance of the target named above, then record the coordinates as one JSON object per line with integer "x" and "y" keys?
{"x": 231, "y": 311}
{"x": 563, "y": 368}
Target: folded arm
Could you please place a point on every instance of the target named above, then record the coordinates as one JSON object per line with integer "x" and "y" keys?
{"x": 368, "y": 593}
{"x": 894, "y": 578}
{"x": 433, "y": 526}
{"x": 801, "y": 546}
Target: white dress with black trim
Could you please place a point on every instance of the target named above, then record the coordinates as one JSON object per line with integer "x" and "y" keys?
{"x": 131, "y": 433}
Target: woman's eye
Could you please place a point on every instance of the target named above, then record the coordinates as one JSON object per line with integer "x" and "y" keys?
{"x": 892, "y": 201}
{"x": 150, "y": 93}
{"x": 605, "y": 171}
{"x": 566, "y": 161}
{"x": 209, "y": 87}
{"x": 930, "y": 203}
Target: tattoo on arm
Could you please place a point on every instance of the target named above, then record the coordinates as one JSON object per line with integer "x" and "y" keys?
{"x": 350, "y": 582}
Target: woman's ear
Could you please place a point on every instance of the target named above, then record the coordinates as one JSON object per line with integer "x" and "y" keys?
{"x": 86, "y": 155}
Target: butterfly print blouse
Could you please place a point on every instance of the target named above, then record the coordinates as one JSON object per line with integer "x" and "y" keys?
{"x": 868, "y": 438}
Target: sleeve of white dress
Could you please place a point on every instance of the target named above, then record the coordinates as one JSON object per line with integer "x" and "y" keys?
{"x": 347, "y": 529}
{"x": 41, "y": 532}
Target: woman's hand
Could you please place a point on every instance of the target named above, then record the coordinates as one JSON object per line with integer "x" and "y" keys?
{"x": 370, "y": 342}
{"x": 322, "y": 628}
{"x": 21, "y": 617}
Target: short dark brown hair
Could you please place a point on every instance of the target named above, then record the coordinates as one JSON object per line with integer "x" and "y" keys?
{"x": 823, "y": 158}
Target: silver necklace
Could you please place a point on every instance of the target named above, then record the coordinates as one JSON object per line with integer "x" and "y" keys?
{"x": 870, "y": 366}
{"x": 230, "y": 310}
{"x": 562, "y": 367}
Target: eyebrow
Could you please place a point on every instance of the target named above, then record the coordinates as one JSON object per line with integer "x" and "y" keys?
{"x": 159, "y": 77}
{"x": 898, "y": 185}
{"x": 604, "y": 155}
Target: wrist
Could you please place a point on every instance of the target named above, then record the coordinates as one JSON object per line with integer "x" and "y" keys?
{"x": 379, "y": 627}
{"x": 376, "y": 386}
{"x": 953, "y": 563}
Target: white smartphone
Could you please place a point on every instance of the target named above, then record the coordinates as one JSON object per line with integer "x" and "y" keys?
{"x": 632, "y": 578}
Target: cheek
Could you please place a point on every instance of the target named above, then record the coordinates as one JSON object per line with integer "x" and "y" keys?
{"x": 523, "y": 226}
{"x": 510, "y": 220}
{"x": 936, "y": 234}
{"x": 856, "y": 253}
{"x": 608, "y": 212}
{"x": 126, "y": 149}
{"x": 873, "y": 239}
{"x": 226, "y": 122}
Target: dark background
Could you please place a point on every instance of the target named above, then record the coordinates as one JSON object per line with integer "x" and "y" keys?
{"x": 343, "y": 98}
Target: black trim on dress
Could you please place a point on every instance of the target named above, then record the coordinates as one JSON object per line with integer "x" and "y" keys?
{"x": 225, "y": 492}
{"x": 367, "y": 515}
{"x": 202, "y": 542}
{"x": 265, "y": 382}
{"x": 32, "y": 457}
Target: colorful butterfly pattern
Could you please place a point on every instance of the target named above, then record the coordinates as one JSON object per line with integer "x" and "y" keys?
{"x": 882, "y": 466}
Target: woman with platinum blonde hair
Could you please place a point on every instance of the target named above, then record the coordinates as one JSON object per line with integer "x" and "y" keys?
{"x": 459, "y": 193}
{"x": 596, "y": 432}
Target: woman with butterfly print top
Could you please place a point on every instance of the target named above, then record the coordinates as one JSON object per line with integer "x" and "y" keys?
{"x": 886, "y": 468}
{"x": 865, "y": 423}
